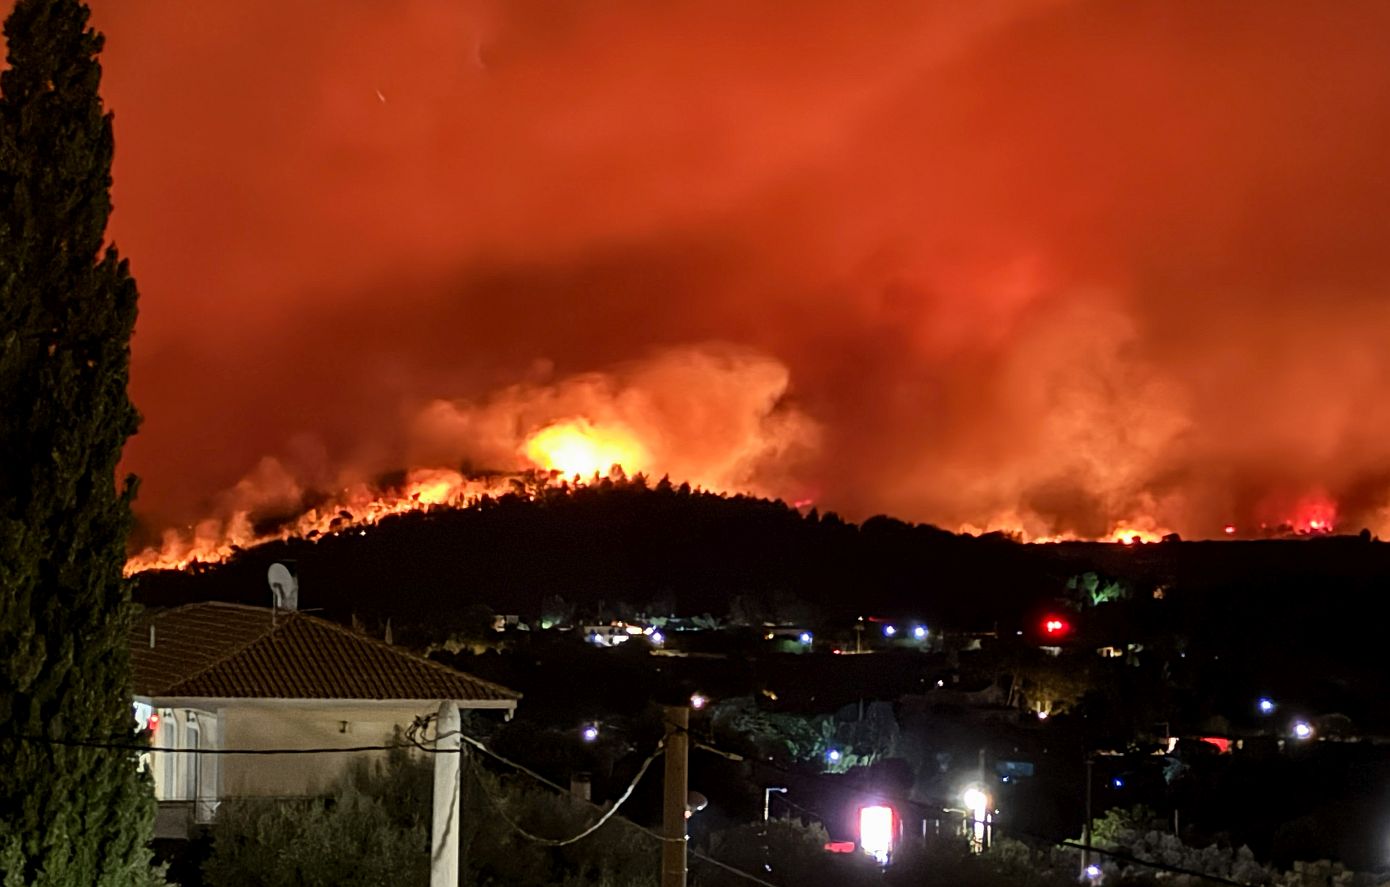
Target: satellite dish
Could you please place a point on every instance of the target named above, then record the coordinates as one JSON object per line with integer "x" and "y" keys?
{"x": 284, "y": 587}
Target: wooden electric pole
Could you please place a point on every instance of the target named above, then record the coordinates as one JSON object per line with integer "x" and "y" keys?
{"x": 676, "y": 793}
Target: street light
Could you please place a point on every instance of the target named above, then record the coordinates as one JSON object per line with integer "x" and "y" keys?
{"x": 767, "y": 798}
{"x": 589, "y": 733}
{"x": 1266, "y": 705}
{"x": 1302, "y": 730}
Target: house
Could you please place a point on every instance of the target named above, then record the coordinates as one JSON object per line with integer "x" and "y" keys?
{"x": 220, "y": 676}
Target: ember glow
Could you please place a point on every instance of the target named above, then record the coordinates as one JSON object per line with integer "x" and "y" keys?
{"x": 577, "y": 449}
{"x": 1061, "y": 269}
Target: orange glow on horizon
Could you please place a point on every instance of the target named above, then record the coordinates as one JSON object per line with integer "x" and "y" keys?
{"x": 578, "y": 448}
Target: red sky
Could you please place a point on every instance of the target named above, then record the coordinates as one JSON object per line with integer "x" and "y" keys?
{"x": 1073, "y": 263}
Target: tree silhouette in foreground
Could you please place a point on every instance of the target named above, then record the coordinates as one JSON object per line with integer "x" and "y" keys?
{"x": 68, "y": 815}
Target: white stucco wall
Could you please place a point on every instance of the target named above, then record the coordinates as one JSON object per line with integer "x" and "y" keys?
{"x": 291, "y": 725}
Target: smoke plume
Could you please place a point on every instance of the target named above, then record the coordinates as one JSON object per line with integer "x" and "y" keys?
{"x": 1060, "y": 266}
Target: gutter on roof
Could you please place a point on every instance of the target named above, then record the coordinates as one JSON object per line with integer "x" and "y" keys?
{"x": 210, "y": 702}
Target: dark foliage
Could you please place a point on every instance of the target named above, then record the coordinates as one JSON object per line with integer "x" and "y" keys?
{"x": 68, "y": 816}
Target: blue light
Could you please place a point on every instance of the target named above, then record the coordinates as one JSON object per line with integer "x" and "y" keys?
{"x": 805, "y": 638}
{"x": 889, "y": 631}
{"x": 1117, "y": 782}
{"x": 833, "y": 756}
{"x": 590, "y": 733}
{"x": 658, "y": 638}
{"x": 920, "y": 632}
{"x": 1092, "y": 871}
{"x": 1266, "y": 705}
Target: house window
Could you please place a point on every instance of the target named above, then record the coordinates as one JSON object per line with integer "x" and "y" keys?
{"x": 192, "y": 743}
{"x": 168, "y": 736}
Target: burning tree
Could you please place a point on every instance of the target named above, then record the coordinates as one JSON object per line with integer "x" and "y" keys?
{"x": 68, "y": 814}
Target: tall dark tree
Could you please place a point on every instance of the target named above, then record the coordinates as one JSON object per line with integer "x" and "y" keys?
{"x": 68, "y": 815}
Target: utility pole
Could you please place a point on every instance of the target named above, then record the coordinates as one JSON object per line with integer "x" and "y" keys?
{"x": 676, "y": 793}
{"x": 1086, "y": 829}
{"x": 444, "y": 824}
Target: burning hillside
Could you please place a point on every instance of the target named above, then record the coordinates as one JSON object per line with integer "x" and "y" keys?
{"x": 1067, "y": 269}
{"x": 715, "y": 417}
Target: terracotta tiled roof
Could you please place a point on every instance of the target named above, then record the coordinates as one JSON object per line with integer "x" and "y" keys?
{"x": 231, "y": 651}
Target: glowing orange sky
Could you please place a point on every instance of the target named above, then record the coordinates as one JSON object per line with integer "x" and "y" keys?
{"x": 1077, "y": 261}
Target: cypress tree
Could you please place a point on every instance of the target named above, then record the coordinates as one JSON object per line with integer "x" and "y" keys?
{"x": 68, "y": 815}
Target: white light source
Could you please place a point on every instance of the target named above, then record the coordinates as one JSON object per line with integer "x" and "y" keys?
{"x": 589, "y": 733}
{"x": 1302, "y": 730}
{"x": 833, "y": 756}
{"x": 698, "y": 701}
{"x": 920, "y": 632}
{"x": 977, "y": 802}
{"x": 1266, "y": 705}
{"x": 1092, "y": 871}
{"x": 876, "y": 832}
{"x": 658, "y": 638}
{"x": 889, "y": 631}
{"x": 806, "y": 638}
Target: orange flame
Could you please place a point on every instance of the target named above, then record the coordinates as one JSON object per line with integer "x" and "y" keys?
{"x": 578, "y": 448}
{"x": 356, "y": 507}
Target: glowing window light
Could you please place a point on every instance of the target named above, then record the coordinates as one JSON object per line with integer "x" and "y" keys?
{"x": 876, "y": 832}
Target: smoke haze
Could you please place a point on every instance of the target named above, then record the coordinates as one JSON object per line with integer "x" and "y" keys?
{"x": 1059, "y": 266}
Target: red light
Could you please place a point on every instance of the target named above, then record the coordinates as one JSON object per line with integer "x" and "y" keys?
{"x": 152, "y": 724}
{"x": 1055, "y": 626}
{"x": 840, "y": 846}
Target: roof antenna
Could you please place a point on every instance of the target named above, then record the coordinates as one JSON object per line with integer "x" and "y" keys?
{"x": 284, "y": 589}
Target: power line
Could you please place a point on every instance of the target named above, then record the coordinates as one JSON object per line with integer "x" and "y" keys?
{"x": 474, "y": 743}
{"x": 411, "y": 743}
{"x": 557, "y": 842}
{"x": 734, "y": 756}
{"x": 1152, "y": 864}
{"x": 141, "y": 747}
{"x": 700, "y": 855}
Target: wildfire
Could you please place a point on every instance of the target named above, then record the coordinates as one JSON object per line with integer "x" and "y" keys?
{"x": 1316, "y": 514}
{"x": 1135, "y": 531}
{"x": 355, "y": 508}
{"x": 1127, "y": 535}
{"x": 578, "y": 448}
